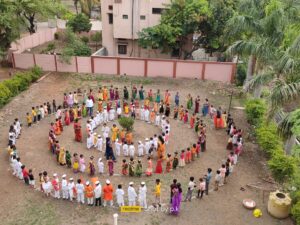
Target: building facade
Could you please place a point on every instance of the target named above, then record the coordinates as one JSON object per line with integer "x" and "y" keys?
{"x": 121, "y": 22}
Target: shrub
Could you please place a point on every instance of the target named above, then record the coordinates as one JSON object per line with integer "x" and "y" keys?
{"x": 268, "y": 138}
{"x": 255, "y": 111}
{"x": 240, "y": 74}
{"x": 13, "y": 85}
{"x": 36, "y": 73}
{"x": 296, "y": 212}
{"x": 81, "y": 49}
{"x": 58, "y": 35}
{"x": 84, "y": 39}
{"x": 126, "y": 123}
{"x": 50, "y": 47}
{"x": 283, "y": 167}
{"x": 5, "y": 94}
{"x": 79, "y": 23}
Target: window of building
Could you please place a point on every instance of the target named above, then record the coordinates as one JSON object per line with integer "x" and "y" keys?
{"x": 122, "y": 49}
{"x": 110, "y": 18}
{"x": 125, "y": 17}
{"x": 110, "y": 7}
{"x": 142, "y": 17}
{"x": 118, "y": 1}
{"x": 157, "y": 10}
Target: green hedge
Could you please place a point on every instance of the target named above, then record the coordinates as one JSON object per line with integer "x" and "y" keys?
{"x": 18, "y": 83}
{"x": 255, "y": 111}
{"x": 268, "y": 139}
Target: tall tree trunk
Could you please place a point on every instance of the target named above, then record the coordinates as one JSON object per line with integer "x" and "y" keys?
{"x": 31, "y": 27}
{"x": 250, "y": 69}
{"x": 257, "y": 91}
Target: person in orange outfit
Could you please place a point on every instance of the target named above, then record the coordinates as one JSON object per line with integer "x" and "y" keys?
{"x": 89, "y": 193}
{"x": 108, "y": 193}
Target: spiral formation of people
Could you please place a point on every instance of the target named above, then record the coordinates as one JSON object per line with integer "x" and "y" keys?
{"x": 102, "y": 121}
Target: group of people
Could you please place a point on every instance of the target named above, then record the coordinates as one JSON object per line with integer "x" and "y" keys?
{"x": 152, "y": 110}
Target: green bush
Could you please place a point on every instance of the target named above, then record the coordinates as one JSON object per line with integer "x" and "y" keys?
{"x": 268, "y": 138}
{"x": 79, "y": 23}
{"x": 50, "y": 47}
{"x": 296, "y": 212}
{"x": 36, "y": 73}
{"x": 81, "y": 49}
{"x": 84, "y": 39}
{"x": 13, "y": 85}
{"x": 126, "y": 123}
{"x": 240, "y": 74}
{"x": 255, "y": 111}
{"x": 283, "y": 167}
{"x": 5, "y": 94}
{"x": 20, "y": 82}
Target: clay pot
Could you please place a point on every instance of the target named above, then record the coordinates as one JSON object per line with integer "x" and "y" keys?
{"x": 279, "y": 204}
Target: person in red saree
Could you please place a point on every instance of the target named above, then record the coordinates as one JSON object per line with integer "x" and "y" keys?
{"x": 159, "y": 165}
{"x": 67, "y": 118}
{"x": 57, "y": 130}
{"x": 77, "y": 130}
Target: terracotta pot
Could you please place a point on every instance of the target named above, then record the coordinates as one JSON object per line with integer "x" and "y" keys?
{"x": 279, "y": 204}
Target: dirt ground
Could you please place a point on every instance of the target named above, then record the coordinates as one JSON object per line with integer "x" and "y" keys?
{"x": 22, "y": 205}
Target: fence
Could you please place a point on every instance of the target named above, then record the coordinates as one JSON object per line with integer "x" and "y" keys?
{"x": 146, "y": 67}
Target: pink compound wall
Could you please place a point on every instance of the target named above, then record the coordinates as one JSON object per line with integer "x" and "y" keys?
{"x": 132, "y": 67}
{"x": 160, "y": 68}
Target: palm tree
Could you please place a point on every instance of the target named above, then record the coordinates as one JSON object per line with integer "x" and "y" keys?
{"x": 259, "y": 32}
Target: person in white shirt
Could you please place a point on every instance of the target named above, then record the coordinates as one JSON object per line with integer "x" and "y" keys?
{"x": 191, "y": 187}
{"x": 89, "y": 105}
{"x": 88, "y": 126}
{"x": 142, "y": 113}
{"x": 140, "y": 149}
{"x": 119, "y": 112}
{"x": 105, "y": 115}
{"x": 143, "y": 195}
{"x": 157, "y": 120}
{"x": 97, "y": 118}
{"x": 99, "y": 144}
{"x": 71, "y": 187}
{"x": 98, "y": 193}
{"x": 100, "y": 166}
{"x": 105, "y": 130}
{"x": 131, "y": 195}
{"x": 90, "y": 140}
{"x": 93, "y": 123}
{"x": 131, "y": 150}
{"x": 118, "y": 145}
{"x": 125, "y": 149}
{"x": 112, "y": 112}
{"x": 147, "y": 146}
{"x": 147, "y": 115}
{"x": 80, "y": 191}
{"x": 64, "y": 187}
{"x": 19, "y": 169}
{"x": 120, "y": 196}
{"x": 15, "y": 164}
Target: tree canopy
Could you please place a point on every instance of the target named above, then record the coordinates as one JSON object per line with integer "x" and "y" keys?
{"x": 80, "y": 23}
{"x": 179, "y": 20}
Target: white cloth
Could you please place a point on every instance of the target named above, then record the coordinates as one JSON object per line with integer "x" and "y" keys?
{"x": 98, "y": 191}
{"x": 100, "y": 167}
{"x": 64, "y": 189}
{"x": 99, "y": 144}
{"x": 140, "y": 149}
{"x": 71, "y": 186}
{"x": 125, "y": 150}
{"x": 80, "y": 193}
{"x": 131, "y": 150}
{"x": 157, "y": 120}
{"x": 147, "y": 147}
{"x": 120, "y": 197}
{"x": 112, "y": 114}
{"x": 143, "y": 196}
{"x": 118, "y": 146}
{"x": 131, "y": 196}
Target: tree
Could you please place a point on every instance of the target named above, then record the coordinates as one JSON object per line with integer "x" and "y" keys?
{"x": 88, "y": 5}
{"x": 9, "y": 26}
{"x": 28, "y": 10}
{"x": 80, "y": 23}
{"x": 97, "y": 38}
{"x": 258, "y": 29}
{"x": 178, "y": 23}
{"x": 126, "y": 123}
{"x": 213, "y": 28}
{"x": 76, "y": 5}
